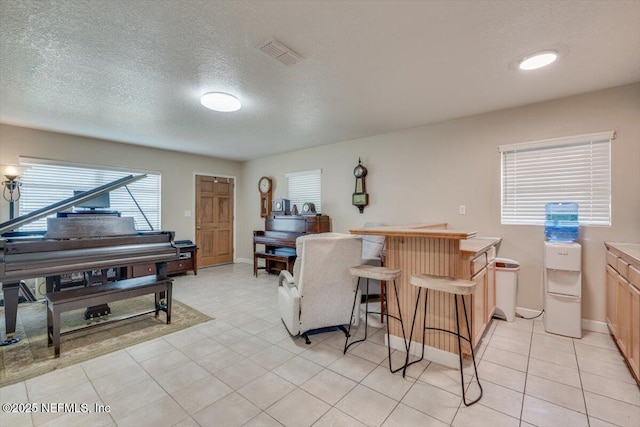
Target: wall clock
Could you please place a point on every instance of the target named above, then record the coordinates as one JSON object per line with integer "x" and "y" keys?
{"x": 265, "y": 187}
{"x": 360, "y": 198}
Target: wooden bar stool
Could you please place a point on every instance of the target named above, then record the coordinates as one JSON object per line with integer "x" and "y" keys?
{"x": 459, "y": 288}
{"x": 381, "y": 274}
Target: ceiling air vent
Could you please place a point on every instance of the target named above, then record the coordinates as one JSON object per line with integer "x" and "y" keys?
{"x": 277, "y": 50}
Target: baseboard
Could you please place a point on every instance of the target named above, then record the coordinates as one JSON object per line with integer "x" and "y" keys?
{"x": 595, "y": 326}
{"x": 244, "y": 260}
{"x": 587, "y": 325}
{"x": 430, "y": 353}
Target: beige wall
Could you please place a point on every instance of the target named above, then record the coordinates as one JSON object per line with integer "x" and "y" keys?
{"x": 177, "y": 169}
{"x": 423, "y": 174}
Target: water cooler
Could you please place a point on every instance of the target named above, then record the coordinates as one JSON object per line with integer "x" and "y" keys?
{"x": 562, "y": 274}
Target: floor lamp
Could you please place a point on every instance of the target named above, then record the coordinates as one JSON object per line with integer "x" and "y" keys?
{"x": 11, "y": 190}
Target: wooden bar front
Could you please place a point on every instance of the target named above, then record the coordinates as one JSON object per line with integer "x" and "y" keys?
{"x": 434, "y": 249}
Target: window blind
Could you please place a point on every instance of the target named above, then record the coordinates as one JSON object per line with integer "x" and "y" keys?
{"x": 573, "y": 169}
{"x": 305, "y": 187}
{"x": 47, "y": 182}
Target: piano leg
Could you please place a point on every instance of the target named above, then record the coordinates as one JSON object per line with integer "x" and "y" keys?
{"x": 11, "y": 292}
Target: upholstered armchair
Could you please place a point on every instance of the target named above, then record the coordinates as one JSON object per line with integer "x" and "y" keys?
{"x": 319, "y": 294}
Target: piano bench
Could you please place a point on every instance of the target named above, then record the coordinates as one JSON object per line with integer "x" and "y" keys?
{"x": 74, "y": 299}
{"x": 288, "y": 260}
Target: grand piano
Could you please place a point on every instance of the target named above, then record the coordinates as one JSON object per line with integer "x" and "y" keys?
{"x": 279, "y": 239}
{"x": 75, "y": 244}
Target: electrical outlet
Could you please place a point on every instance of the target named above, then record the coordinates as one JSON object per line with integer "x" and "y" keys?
{"x": 187, "y": 213}
{"x": 462, "y": 210}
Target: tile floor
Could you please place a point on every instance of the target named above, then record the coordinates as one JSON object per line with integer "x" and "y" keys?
{"x": 243, "y": 369}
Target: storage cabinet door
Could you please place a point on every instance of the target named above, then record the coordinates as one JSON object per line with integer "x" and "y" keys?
{"x": 624, "y": 315}
{"x": 611, "y": 288}
{"x": 491, "y": 291}
{"x": 479, "y": 308}
{"x": 634, "y": 347}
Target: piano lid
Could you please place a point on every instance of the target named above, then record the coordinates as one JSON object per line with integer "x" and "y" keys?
{"x": 12, "y": 224}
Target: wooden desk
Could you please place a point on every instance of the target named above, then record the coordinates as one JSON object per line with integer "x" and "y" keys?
{"x": 438, "y": 250}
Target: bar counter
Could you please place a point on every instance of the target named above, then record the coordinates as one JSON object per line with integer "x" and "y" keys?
{"x": 436, "y": 249}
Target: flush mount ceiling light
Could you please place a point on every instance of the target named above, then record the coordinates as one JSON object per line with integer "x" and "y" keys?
{"x": 540, "y": 57}
{"x": 220, "y": 101}
{"x": 538, "y": 60}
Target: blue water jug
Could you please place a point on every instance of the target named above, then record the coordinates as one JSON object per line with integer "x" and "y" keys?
{"x": 561, "y": 222}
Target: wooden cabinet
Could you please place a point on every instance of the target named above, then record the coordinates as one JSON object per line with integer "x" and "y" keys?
{"x": 482, "y": 303}
{"x": 634, "y": 332}
{"x": 622, "y": 306}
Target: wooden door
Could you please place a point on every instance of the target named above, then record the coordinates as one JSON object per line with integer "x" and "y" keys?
{"x": 214, "y": 220}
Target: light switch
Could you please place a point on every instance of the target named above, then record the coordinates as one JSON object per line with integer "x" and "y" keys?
{"x": 187, "y": 213}
{"x": 462, "y": 210}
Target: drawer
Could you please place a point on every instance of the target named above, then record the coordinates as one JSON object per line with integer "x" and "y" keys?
{"x": 478, "y": 264}
{"x": 623, "y": 267}
{"x": 144, "y": 269}
{"x": 612, "y": 259}
{"x": 634, "y": 276}
{"x": 180, "y": 265}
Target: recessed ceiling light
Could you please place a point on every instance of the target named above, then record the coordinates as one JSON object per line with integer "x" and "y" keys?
{"x": 220, "y": 101}
{"x": 538, "y": 60}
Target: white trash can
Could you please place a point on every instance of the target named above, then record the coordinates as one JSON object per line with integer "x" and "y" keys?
{"x": 506, "y": 288}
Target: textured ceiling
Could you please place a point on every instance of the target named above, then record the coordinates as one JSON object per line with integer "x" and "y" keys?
{"x": 133, "y": 70}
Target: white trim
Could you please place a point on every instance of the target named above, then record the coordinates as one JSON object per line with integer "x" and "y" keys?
{"x": 235, "y": 207}
{"x": 244, "y": 261}
{"x": 309, "y": 172}
{"x": 558, "y": 142}
{"x": 595, "y": 326}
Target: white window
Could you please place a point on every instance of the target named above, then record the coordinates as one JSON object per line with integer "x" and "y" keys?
{"x": 305, "y": 187}
{"x": 47, "y": 182}
{"x": 572, "y": 169}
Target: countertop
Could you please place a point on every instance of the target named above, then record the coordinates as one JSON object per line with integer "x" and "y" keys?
{"x": 631, "y": 250}
{"x": 436, "y": 230}
{"x": 478, "y": 245}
